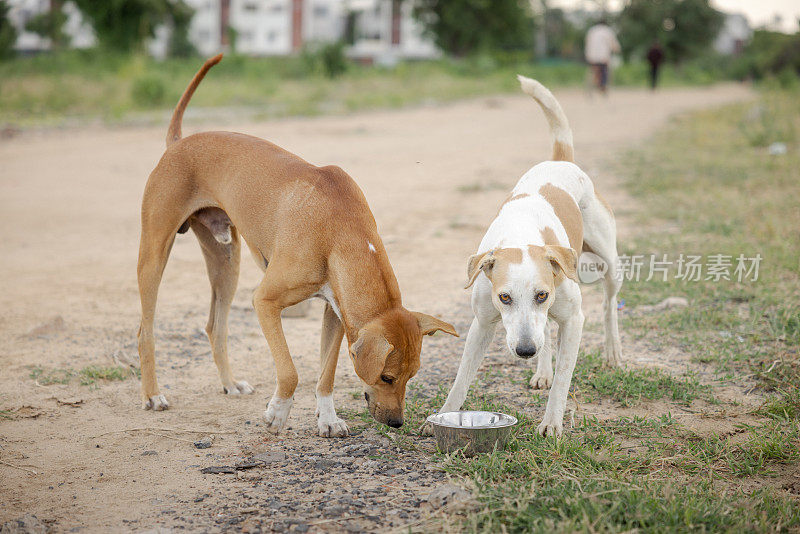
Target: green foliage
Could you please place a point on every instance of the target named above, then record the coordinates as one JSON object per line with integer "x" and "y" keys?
{"x": 148, "y": 91}
{"x": 685, "y": 28}
{"x": 87, "y": 376}
{"x": 328, "y": 59}
{"x": 770, "y": 54}
{"x": 179, "y": 43}
{"x": 124, "y": 25}
{"x": 50, "y": 25}
{"x": 462, "y": 27}
{"x": 8, "y": 34}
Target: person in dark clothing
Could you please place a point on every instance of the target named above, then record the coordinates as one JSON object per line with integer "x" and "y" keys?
{"x": 655, "y": 56}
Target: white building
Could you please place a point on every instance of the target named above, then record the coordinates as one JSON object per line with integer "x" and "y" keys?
{"x": 384, "y": 30}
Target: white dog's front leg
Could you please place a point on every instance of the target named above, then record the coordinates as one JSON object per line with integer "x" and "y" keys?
{"x": 569, "y": 335}
{"x": 543, "y": 377}
{"x": 478, "y": 339}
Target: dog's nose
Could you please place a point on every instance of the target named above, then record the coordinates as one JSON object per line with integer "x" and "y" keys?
{"x": 526, "y": 351}
{"x": 395, "y": 423}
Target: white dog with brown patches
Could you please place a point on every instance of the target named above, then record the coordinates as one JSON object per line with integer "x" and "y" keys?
{"x": 525, "y": 271}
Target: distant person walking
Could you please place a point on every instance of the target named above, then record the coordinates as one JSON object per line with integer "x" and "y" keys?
{"x": 601, "y": 43}
{"x": 655, "y": 56}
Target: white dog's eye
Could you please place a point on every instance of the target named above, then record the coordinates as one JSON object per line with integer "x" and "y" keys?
{"x": 541, "y": 296}
{"x": 505, "y": 298}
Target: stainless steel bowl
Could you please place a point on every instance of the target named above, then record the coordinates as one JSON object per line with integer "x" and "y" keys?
{"x": 471, "y": 432}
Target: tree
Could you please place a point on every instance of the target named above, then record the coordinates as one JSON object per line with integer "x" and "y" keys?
{"x": 8, "y": 34}
{"x": 125, "y": 24}
{"x": 685, "y": 28}
{"x": 462, "y": 27}
{"x": 50, "y": 25}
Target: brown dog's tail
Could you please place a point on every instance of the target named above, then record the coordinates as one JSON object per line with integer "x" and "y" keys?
{"x": 174, "y": 131}
{"x": 559, "y": 126}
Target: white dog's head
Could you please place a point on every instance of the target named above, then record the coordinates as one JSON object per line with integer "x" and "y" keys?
{"x": 524, "y": 281}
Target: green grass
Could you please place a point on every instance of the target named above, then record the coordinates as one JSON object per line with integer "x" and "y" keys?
{"x": 86, "y": 376}
{"x": 630, "y": 386}
{"x": 90, "y": 84}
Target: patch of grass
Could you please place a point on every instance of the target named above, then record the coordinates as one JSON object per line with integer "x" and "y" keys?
{"x": 49, "y": 88}
{"x": 630, "y": 386}
{"x": 588, "y": 482}
{"x": 92, "y": 373}
{"x": 48, "y": 377}
{"x": 86, "y": 376}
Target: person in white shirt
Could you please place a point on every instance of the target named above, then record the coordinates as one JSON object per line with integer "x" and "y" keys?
{"x": 601, "y": 43}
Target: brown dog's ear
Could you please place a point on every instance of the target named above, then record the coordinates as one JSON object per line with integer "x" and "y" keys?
{"x": 477, "y": 263}
{"x": 563, "y": 259}
{"x": 369, "y": 354}
{"x": 429, "y": 325}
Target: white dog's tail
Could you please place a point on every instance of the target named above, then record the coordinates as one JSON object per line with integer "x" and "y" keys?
{"x": 559, "y": 126}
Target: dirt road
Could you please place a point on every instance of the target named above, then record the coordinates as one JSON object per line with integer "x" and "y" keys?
{"x": 69, "y": 226}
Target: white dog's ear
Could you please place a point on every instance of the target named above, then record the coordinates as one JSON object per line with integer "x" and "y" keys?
{"x": 369, "y": 353}
{"x": 477, "y": 263}
{"x": 563, "y": 260}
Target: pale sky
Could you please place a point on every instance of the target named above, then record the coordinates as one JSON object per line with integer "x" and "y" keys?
{"x": 759, "y": 12}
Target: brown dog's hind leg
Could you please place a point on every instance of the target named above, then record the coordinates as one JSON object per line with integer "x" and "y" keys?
{"x": 222, "y": 264}
{"x": 154, "y": 249}
{"x": 287, "y": 281}
{"x": 328, "y": 423}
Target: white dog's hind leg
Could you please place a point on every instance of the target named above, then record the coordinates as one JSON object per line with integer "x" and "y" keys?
{"x": 601, "y": 236}
{"x": 543, "y": 377}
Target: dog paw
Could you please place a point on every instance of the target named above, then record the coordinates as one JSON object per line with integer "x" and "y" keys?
{"x": 277, "y": 413}
{"x": 550, "y": 427}
{"x": 332, "y": 428}
{"x": 541, "y": 380}
{"x": 157, "y": 403}
{"x": 239, "y": 388}
{"x": 425, "y": 429}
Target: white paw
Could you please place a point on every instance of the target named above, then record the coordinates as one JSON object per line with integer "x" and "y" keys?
{"x": 332, "y": 428}
{"x": 156, "y": 403}
{"x": 277, "y": 413}
{"x": 613, "y": 358}
{"x": 542, "y": 380}
{"x": 551, "y": 426}
{"x": 329, "y": 424}
{"x": 426, "y": 429}
{"x": 239, "y": 388}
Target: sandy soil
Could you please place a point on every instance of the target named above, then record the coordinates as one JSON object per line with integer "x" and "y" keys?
{"x": 69, "y": 227}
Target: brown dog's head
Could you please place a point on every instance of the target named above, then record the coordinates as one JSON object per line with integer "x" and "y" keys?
{"x": 387, "y": 354}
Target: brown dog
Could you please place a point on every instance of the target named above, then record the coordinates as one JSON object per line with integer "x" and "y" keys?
{"x": 311, "y": 231}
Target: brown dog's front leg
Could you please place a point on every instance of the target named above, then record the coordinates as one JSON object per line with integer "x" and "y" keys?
{"x": 268, "y": 310}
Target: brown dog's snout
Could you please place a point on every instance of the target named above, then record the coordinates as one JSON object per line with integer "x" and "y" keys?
{"x": 395, "y": 423}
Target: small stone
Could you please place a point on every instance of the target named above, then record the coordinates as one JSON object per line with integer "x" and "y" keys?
{"x": 204, "y": 443}
{"x": 150, "y": 453}
{"x": 218, "y": 470}
{"x": 446, "y": 495}
{"x": 270, "y": 457}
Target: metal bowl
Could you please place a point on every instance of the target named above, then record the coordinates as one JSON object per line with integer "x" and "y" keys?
{"x": 471, "y": 432}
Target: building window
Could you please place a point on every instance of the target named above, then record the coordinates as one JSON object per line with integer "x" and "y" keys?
{"x": 272, "y": 36}
{"x": 251, "y": 7}
{"x": 320, "y": 11}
